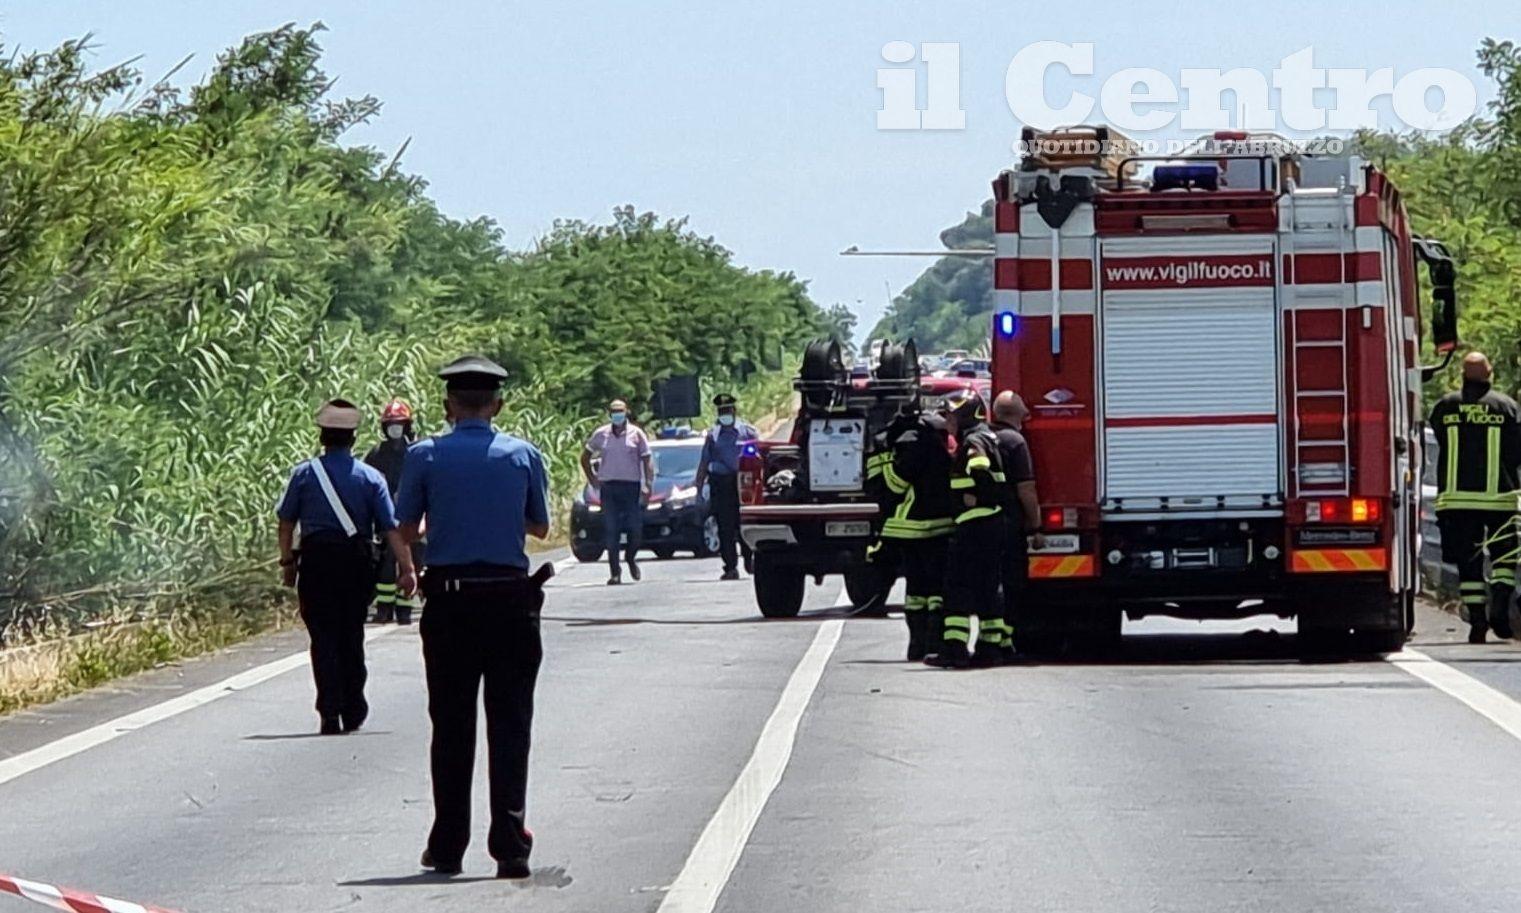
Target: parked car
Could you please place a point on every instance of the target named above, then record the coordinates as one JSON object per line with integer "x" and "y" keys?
{"x": 676, "y": 517}
{"x": 967, "y": 367}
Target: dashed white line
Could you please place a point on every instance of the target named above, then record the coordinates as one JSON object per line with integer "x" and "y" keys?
{"x": 68, "y": 746}
{"x": 1493, "y": 705}
{"x": 712, "y": 860}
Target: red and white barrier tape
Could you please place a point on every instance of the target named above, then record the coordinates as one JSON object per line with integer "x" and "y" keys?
{"x": 70, "y": 901}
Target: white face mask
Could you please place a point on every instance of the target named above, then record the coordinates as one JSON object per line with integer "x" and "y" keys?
{"x": 394, "y": 432}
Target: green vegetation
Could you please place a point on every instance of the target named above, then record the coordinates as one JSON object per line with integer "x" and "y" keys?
{"x": 185, "y": 275}
{"x": 950, "y": 305}
{"x": 1464, "y": 188}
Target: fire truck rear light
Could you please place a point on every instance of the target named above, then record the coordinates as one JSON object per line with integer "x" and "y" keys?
{"x": 1344, "y": 510}
{"x": 1061, "y": 518}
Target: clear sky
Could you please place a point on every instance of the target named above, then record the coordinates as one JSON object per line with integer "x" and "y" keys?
{"x": 758, "y": 121}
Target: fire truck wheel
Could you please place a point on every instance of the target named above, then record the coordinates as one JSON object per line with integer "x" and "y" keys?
{"x": 778, "y": 589}
{"x": 1037, "y": 632}
{"x": 586, "y": 551}
{"x": 868, "y": 588}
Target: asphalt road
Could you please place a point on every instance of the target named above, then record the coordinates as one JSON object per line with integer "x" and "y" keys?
{"x": 1195, "y": 772}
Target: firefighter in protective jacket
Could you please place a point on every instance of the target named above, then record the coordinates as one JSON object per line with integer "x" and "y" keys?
{"x": 916, "y": 477}
{"x": 975, "y": 557}
{"x": 396, "y": 435}
{"x": 1478, "y": 434}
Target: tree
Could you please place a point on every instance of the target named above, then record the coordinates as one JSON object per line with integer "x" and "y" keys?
{"x": 183, "y": 278}
{"x": 950, "y": 305}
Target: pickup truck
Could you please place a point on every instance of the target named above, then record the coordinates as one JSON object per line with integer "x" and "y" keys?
{"x": 805, "y": 511}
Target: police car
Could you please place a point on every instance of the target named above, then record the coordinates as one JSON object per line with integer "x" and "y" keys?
{"x": 676, "y": 517}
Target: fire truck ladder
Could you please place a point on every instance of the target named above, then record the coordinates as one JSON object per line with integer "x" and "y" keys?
{"x": 1319, "y": 478}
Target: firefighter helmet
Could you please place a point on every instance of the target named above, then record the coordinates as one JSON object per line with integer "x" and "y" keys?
{"x": 396, "y": 410}
{"x": 967, "y": 406}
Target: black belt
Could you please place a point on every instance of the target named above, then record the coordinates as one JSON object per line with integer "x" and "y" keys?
{"x": 507, "y": 582}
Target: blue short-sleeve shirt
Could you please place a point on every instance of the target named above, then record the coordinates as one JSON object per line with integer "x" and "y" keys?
{"x": 360, "y": 487}
{"x": 722, "y": 445}
{"x": 479, "y": 489}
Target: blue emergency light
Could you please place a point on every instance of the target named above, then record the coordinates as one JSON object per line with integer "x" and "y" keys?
{"x": 1202, "y": 176}
{"x": 1007, "y": 323}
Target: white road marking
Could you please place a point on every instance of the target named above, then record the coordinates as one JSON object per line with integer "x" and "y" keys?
{"x": 1497, "y": 707}
{"x": 717, "y": 851}
{"x": 68, "y": 746}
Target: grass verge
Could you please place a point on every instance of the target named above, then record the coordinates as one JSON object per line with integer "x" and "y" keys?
{"x": 47, "y": 670}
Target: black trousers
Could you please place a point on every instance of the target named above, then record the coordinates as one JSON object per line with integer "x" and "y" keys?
{"x": 1466, "y": 536}
{"x": 923, "y": 572}
{"x": 469, "y": 639}
{"x": 973, "y": 570}
{"x": 334, "y": 584}
{"x": 1016, "y": 569}
{"x": 723, "y": 503}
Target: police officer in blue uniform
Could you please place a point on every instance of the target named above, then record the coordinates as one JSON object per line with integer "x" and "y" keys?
{"x": 339, "y": 503}
{"x": 481, "y": 491}
{"x": 718, "y": 468}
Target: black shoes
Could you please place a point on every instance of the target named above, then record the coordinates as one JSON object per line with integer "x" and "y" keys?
{"x": 729, "y": 574}
{"x": 383, "y": 614}
{"x": 403, "y": 616}
{"x": 987, "y": 656}
{"x": 1476, "y": 633}
{"x": 953, "y": 655}
{"x": 352, "y": 721}
{"x": 331, "y": 725}
{"x": 516, "y": 867}
{"x": 615, "y": 580}
{"x": 428, "y": 862}
{"x": 633, "y": 568}
{"x": 1501, "y": 626}
{"x": 918, "y": 625}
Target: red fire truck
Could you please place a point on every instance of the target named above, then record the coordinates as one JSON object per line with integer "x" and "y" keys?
{"x": 1221, "y": 354}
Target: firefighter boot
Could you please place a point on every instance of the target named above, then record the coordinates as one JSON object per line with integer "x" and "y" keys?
{"x": 1499, "y": 610}
{"x": 915, "y": 612}
{"x": 989, "y": 644}
{"x": 934, "y": 625}
{"x": 953, "y": 653}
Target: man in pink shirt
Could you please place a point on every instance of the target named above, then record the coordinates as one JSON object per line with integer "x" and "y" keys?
{"x": 623, "y": 476}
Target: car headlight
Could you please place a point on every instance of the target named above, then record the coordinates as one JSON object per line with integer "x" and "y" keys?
{"x": 680, "y": 497}
{"x": 594, "y": 508}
